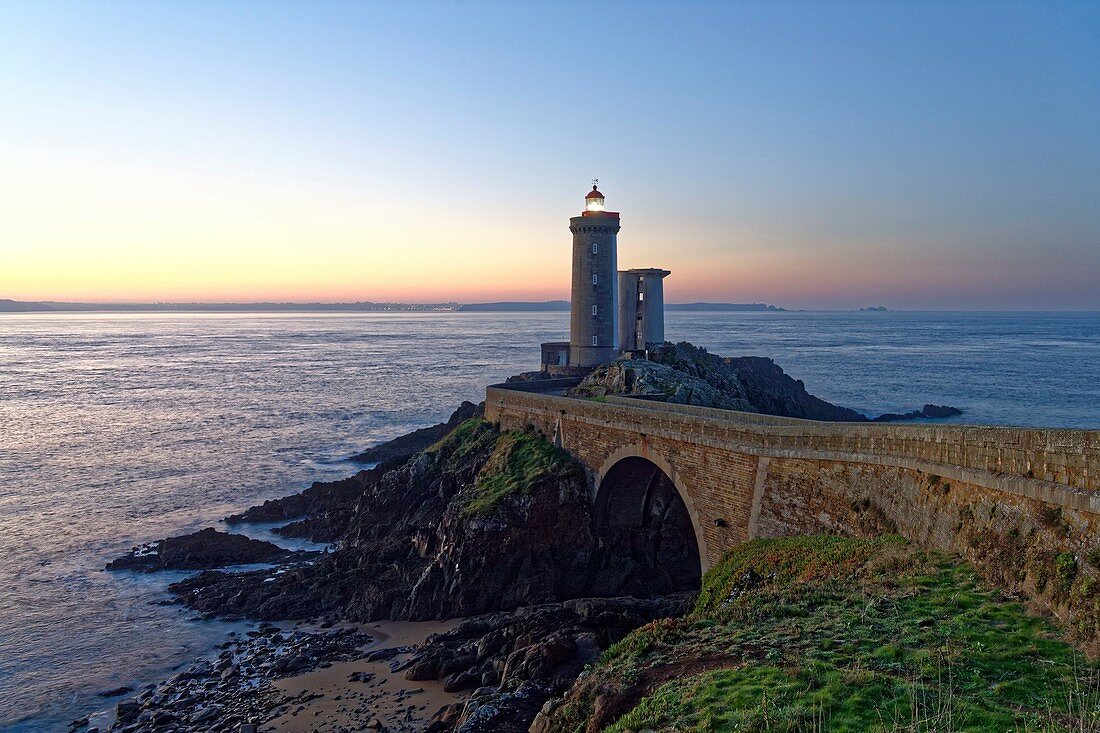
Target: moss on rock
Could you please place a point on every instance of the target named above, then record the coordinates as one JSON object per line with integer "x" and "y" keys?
{"x": 518, "y": 462}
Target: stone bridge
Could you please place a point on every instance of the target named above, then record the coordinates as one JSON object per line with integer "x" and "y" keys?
{"x": 743, "y": 475}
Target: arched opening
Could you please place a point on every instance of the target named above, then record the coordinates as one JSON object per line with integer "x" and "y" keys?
{"x": 646, "y": 538}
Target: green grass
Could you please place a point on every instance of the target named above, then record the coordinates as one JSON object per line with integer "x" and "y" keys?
{"x": 788, "y": 560}
{"x": 519, "y": 460}
{"x": 761, "y": 698}
{"x": 830, "y": 633}
{"x": 465, "y": 439}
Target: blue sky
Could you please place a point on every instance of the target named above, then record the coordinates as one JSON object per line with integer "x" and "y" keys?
{"x": 919, "y": 155}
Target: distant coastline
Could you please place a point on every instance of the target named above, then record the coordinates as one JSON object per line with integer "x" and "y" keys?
{"x": 49, "y": 306}
{"x": 563, "y": 305}
{"x": 53, "y": 306}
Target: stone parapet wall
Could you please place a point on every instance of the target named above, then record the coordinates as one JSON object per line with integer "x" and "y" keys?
{"x": 1016, "y": 502}
{"x": 1059, "y": 466}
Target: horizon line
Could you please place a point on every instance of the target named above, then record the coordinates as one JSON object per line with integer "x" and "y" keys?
{"x": 61, "y": 306}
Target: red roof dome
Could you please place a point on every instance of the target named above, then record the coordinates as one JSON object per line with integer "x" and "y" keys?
{"x": 594, "y": 194}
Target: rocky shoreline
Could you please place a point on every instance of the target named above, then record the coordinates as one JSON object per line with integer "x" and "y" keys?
{"x": 233, "y": 687}
{"x": 458, "y": 520}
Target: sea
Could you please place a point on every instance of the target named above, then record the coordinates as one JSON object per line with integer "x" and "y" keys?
{"x": 118, "y": 429}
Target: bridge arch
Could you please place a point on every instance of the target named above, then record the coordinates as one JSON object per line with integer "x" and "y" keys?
{"x": 619, "y": 461}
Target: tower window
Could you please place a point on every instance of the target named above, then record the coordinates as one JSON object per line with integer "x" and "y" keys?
{"x": 595, "y": 248}
{"x": 593, "y": 310}
{"x": 595, "y": 340}
{"x": 641, "y": 296}
{"x": 595, "y": 279}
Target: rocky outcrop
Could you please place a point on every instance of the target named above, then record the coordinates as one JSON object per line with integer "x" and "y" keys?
{"x": 653, "y": 380}
{"x": 402, "y": 448}
{"x": 320, "y": 513}
{"x": 525, "y": 377}
{"x": 201, "y": 550}
{"x": 928, "y": 412}
{"x": 484, "y": 521}
{"x": 689, "y": 375}
{"x": 772, "y": 391}
{"x": 516, "y": 661}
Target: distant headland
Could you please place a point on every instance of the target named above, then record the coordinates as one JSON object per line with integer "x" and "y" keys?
{"x": 563, "y": 305}
{"x": 48, "y": 306}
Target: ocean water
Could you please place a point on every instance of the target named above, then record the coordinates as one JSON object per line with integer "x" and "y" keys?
{"x": 118, "y": 429}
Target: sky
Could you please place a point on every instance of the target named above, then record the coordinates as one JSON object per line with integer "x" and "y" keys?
{"x": 917, "y": 155}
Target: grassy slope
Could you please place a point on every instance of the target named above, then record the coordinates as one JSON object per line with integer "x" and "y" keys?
{"x": 520, "y": 459}
{"x": 828, "y": 633}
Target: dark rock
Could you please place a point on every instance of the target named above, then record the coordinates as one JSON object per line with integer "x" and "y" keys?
{"x": 402, "y": 448}
{"x": 320, "y": 513}
{"x": 652, "y": 380}
{"x": 193, "y": 700}
{"x": 547, "y": 645}
{"x": 445, "y": 719}
{"x": 205, "y": 715}
{"x": 527, "y": 377}
{"x": 463, "y": 680}
{"x": 380, "y": 655}
{"x": 524, "y": 566}
{"x": 502, "y": 711}
{"x": 772, "y": 392}
{"x": 689, "y": 375}
{"x": 163, "y": 717}
{"x": 127, "y": 710}
{"x": 412, "y": 551}
{"x": 116, "y": 691}
{"x": 201, "y": 550}
{"x": 928, "y": 412}
{"x": 424, "y": 667}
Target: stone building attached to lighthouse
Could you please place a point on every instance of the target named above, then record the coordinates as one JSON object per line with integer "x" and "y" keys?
{"x": 600, "y": 326}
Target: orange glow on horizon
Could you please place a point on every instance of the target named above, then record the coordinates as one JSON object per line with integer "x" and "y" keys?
{"x": 186, "y": 236}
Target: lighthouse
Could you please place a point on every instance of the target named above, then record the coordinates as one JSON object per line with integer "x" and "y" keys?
{"x": 593, "y": 312}
{"x": 610, "y": 312}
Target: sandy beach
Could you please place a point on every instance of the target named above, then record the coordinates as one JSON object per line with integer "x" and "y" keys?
{"x": 347, "y": 696}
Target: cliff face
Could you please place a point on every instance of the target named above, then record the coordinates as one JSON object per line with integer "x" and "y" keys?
{"x": 689, "y": 375}
{"x": 481, "y": 521}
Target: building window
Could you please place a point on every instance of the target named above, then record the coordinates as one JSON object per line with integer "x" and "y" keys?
{"x": 595, "y": 279}
{"x": 641, "y": 296}
{"x": 595, "y": 340}
{"x": 595, "y": 248}
{"x": 593, "y": 310}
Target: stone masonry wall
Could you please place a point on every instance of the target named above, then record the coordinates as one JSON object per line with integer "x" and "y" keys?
{"x": 1049, "y": 553}
{"x": 1022, "y": 505}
